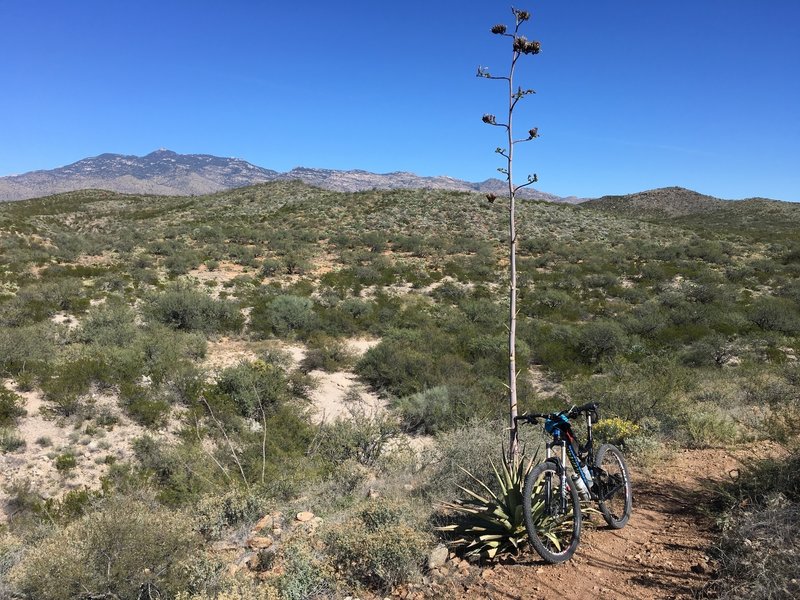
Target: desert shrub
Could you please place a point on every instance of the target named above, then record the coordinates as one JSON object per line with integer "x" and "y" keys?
{"x": 181, "y": 263}
{"x": 472, "y": 446}
{"x": 216, "y": 513}
{"x": 553, "y": 346}
{"x": 600, "y": 340}
{"x": 449, "y": 291}
{"x": 615, "y": 430}
{"x": 235, "y": 590}
{"x": 760, "y": 554}
{"x": 11, "y": 407}
{"x": 39, "y": 301}
{"x": 285, "y": 316}
{"x": 775, "y": 314}
{"x": 65, "y": 462}
{"x": 398, "y": 364}
{"x": 253, "y": 386}
{"x": 708, "y": 427}
{"x": 271, "y": 267}
{"x": 306, "y": 573}
{"x": 759, "y": 549}
{"x": 645, "y": 449}
{"x": 109, "y": 324}
{"x": 645, "y": 320}
{"x": 28, "y": 349}
{"x": 713, "y": 350}
{"x": 441, "y": 408}
{"x": 126, "y": 549}
{"x": 380, "y": 546}
{"x": 10, "y": 441}
{"x": 183, "y": 307}
{"x": 549, "y": 302}
{"x": 142, "y": 407}
{"x": 71, "y": 380}
{"x": 635, "y": 392}
{"x": 327, "y": 354}
{"x": 483, "y": 312}
{"x": 362, "y": 438}
{"x": 489, "y": 353}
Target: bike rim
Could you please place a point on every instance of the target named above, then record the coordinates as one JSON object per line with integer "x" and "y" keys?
{"x": 614, "y": 495}
{"x": 552, "y": 513}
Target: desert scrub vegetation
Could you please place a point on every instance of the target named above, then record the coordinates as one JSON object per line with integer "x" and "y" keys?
{"x": 684, "y": 328}
{"x": 124, "y": 548}
{"x": 759, "y": 549}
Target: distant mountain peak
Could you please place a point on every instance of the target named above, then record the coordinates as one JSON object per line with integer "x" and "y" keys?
{"x": 166, "y": 172}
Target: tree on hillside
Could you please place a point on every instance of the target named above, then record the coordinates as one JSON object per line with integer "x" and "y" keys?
{"x": 519, "y": 45}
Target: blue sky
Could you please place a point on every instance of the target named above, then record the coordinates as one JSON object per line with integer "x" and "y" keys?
{"x": 631, "y": 94}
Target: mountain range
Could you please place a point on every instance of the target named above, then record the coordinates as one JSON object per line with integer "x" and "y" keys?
{"x": 168, "y": 173}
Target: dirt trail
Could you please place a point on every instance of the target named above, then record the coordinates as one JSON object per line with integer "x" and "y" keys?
{"x": 662, "y": 553}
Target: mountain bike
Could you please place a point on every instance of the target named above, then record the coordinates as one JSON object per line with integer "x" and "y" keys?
{"x": 552, "y": 500}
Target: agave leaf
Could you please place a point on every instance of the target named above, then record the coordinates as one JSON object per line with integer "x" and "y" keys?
{"x": 552, "y": 537}
{"x": 476, "y": 496}
{"x": 479, "y": 482}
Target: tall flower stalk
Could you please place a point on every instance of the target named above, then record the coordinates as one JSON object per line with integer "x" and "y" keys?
{"x": 519, "y": 45}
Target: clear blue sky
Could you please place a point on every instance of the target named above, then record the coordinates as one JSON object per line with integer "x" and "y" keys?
{"x": 632, "y": 94}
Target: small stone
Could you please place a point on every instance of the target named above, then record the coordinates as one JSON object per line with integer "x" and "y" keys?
{"x": 253, "y": 562}
{"x": 263, "y": 523}
{"x": 304, "y": 516}
{"x": 233, "y": 568}
{"x": 437, "y": 557}
{"x": 260, "y": 541}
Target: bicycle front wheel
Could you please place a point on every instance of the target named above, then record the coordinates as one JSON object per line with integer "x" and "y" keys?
{"x": 552, "y": 513}
{"x": 615, "y": 497}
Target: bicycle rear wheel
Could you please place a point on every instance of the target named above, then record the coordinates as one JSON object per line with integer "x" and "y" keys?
{"x": 552, "y": 513}
{"x": 613, "y": 486}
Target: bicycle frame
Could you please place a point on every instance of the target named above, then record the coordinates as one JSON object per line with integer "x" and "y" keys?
{"x": 566, "y": 440}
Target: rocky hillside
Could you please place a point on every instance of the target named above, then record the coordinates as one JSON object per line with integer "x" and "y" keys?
{"x": 670, "y": 201}
{"x": 164, "y": 172}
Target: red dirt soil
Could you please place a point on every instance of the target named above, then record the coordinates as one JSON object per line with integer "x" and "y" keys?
{"x": 663, "y": 552}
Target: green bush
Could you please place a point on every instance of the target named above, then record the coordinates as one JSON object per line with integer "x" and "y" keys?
{"x": 398, "y": 364}
{"x": 363, "y": 438}
{"x": 66, "y": 462}
{"x": 380, "y": 546}
{"x": 705, "y": 428}
{"x": 306, "y": 574}
{"x": 70, "y": 381}
{"x": 127, "y": 549}
{"x": 253, "y": 387}
{"x": 108, "y": 324}
{"x": 28, "y": 349}
{"x": 215, "y": 514}
{"x": 10, "y": 441}
{"x": 441, "y": 408}
{"x": 11, "y": 407}
{"x": 775, "y": 314}
{"x": 327, "y": 354}
{"x": 142, "y": 407}
{"x": 285, "y": 316}
{"x": 600, "y": 340}
{"x": 184, "y": 307}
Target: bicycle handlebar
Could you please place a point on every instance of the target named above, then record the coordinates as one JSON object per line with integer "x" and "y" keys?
{"x": 575, "y": 411}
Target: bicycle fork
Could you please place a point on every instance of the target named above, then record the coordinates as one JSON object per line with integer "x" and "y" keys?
{"x": 562, "y": 474}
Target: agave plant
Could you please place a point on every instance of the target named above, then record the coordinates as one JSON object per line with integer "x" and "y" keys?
{"x": 491, "y": 523}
